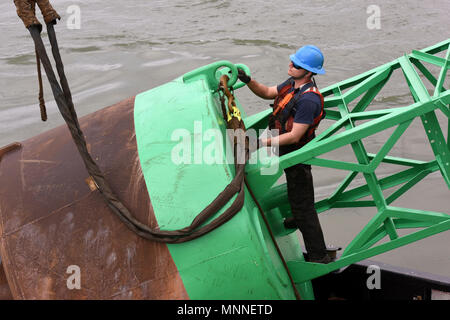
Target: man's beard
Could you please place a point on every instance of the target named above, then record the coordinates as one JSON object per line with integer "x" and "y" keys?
{"x": 301, "y": 77}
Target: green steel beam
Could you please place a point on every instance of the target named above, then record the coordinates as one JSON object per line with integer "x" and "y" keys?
{"x": 382, "y": 153}
{"x": 331, "y": 129}
{"x": 445, "y": 110}
{"x": 436, "y": 48}
{"x": 401, "y": 161}
{"x": 440, "y": 62}
{"x": 376, "y": 236}
{"x": 385, "y": 183}
{"x": 355, "y": 134}
{"x": 442, "y": 74}
{"x": 416, "y": 85}
{"x": 365, "y": 234}
{"x": 371, "y": 94}
{"x": 417, "y": 215}
{"x": 426, "y": 73}
{"x": 258, "y": 121}
{"x": 333, "y": 115}
{"x": 438, "y": 145}
{"x": 368, "y": 115}
{"x": 350, "y": 177}
{"x": 390, "y": 228}
{"x": 408, "y": 185}
{"x": 345, "y": 84}
{"x": 365, "y": 85}
{"x": 342, "y": 165}
{"x": 347, "y": 131}
{"x": 411, "y": 224}
{"x": 303, "y": 271}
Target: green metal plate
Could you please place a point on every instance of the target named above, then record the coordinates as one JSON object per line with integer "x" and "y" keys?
{"x": 237, "y": 260}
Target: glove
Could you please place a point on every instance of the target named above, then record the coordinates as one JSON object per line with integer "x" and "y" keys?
{"x": 243, "y": 76}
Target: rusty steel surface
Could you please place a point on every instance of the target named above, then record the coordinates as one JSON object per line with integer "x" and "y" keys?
{"x": 5, "y": 292}
{"x": 50, "y": 219}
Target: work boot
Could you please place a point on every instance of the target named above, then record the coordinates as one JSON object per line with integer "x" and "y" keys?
{"x": 289, "y": 223}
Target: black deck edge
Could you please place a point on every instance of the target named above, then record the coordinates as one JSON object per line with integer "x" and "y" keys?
{"x": 396, "y": 283}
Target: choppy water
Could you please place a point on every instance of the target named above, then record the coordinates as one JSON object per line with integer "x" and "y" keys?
{"x": 126, "y": 47}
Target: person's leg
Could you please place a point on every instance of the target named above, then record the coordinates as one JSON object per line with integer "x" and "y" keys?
{"x": 301, "y": 197}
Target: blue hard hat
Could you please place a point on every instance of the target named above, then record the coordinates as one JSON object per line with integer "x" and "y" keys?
{"x": 309, "y": 58}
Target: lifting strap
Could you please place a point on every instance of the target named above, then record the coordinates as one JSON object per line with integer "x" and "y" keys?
{"x": 8, "y": 148}
{"x": 63, "y": 99}
{"x": 233, "y": 119}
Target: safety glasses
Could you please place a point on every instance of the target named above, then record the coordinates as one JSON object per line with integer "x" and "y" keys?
{"x": 296, "y": 66}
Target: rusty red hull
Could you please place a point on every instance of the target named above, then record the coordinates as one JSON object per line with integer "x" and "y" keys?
{"x": 5, "y": 292}
{"x": 51, "y": 220}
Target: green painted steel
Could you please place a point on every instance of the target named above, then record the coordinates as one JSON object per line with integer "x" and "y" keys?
{"x": 239, "y": 260}
{"x": 388, "y": 219}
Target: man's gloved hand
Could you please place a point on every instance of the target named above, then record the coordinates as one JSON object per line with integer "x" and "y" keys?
{"x": 243, "y": 76}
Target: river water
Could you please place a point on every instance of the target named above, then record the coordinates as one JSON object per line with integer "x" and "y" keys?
{"x": 122, "y": 48}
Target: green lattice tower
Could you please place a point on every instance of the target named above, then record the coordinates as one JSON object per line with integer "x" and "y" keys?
{"x": 345, "y": 131}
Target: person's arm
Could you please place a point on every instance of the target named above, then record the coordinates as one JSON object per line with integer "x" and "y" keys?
{"x": 262, "y": 91}
{"x": 291, "y": 137}
{"x": 257, "y": 88}
{"x": 304, "y": 118}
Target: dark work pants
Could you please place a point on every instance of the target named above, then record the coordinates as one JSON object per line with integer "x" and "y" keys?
{"x": 300, "y": 191}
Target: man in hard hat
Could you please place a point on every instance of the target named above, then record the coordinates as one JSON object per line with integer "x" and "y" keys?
{"x": 297, "y": 111}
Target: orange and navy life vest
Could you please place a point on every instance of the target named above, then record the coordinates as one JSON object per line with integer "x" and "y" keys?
{"x": 284, "y": 109}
